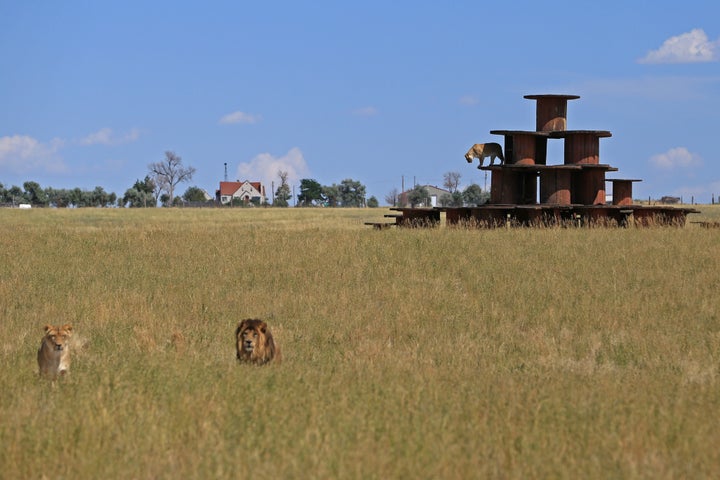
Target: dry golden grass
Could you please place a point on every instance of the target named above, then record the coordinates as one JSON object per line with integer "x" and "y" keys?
{"x": 443, "y": 353}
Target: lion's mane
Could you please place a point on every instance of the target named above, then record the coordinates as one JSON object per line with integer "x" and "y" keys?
{"x": 254, "y": 342}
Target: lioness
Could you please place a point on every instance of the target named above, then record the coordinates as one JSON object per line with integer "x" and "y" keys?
{"x": 255, "y": 343}
{"x": 54, "y": 353}
{"x": 484, "y": 150}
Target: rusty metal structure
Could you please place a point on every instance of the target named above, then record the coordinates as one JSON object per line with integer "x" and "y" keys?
{"x": 528, "y": 191}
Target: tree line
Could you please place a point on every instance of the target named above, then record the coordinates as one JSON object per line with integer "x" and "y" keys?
{"x": 31, "y": 193}
{"x": 164, "y": 177}
{"x": 161, "y": 182}
{"x": 158, "y": 185}
{"x": 419, "y": 196}
{"x": 349, "y": 193}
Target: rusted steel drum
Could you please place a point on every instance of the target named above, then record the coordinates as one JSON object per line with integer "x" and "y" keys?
{"x": 524, "y": 149}
{"x": 551, "y": 111}
{"x": 505, "y": 187}
{"x": 622, "y": 191}
{"x": 591, "y": 187}
{"x": 513, "y": 185}
{"x": 555, "y": 186}
{"x": 582, "y": 147}
{"x": 497, "y": 182}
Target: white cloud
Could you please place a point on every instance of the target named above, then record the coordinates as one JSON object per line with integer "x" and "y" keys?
{"x": 679, "y": 157}
{"x": 239, "y": 117}
{"x": 19, "y": 146}
{"x": 100, "y": 137}
{"x": 106, "y": 136}
{"x": 22, "y": 154}
{"x": 690, "y": 47}
{"x": 365, "y": 111}
{"x": 265, "y": 168}
{"x": 469, "y": 100}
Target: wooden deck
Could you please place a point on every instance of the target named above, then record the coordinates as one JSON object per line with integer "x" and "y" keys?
{"x": 493, "y": 216}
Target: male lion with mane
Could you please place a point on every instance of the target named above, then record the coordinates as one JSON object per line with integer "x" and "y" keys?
{"x": 54, "y": 353}
{"x": 255, "y": 343}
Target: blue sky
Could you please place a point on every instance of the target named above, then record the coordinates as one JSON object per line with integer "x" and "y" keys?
{"x": 92, "y": 92}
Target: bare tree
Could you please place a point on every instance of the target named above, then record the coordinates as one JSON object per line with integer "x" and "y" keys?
{"x": 392, "y": 197}
{"x": 159, "y": 186}
{"x": 451, "y": 181}
{"x": 283, "y": 192}
{"x": 169, "y": 173}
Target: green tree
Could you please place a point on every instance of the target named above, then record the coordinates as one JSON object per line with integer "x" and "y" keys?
{"x": 134, "y": 198}
{"x": 310, "y": 191}
{"x": 452, "y": 199}
{"x": 194, "y": 194}
{"x": 34, "y": 194}
{"x": 77, "y": 197}
{"x": 15, "y": 195}
{"x": 474, "y": 195}
{"x": 331, "y": 195}
{"x": 352, "y": 193}
{"x": 373, "y": 202}
{"x": 446, "y": 200}
{"x": 146, "y": 186}
{"x": 418, "y": 196}
{"x": 59, "y": 198}
{"x": 141, "y": 194}
{"x": 457, "y": 199}
{"x": 100, "y": 198}
{"x": 282, "y": 195}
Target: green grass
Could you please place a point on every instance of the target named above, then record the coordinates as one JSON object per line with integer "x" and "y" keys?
{"x": 443, "y": 353}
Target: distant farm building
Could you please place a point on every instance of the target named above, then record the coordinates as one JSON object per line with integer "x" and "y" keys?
{"x": 247, "y": 192}
{"x": 434, "y": 196}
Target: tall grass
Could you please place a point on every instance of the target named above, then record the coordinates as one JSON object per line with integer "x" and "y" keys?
{"x": 440, "y": 353}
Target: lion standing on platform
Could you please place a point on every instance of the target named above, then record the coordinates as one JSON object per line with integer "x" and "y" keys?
{"x": 484, "y": 150}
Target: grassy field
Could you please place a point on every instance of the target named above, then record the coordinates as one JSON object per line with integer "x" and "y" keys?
{"x": 444, "y": 353}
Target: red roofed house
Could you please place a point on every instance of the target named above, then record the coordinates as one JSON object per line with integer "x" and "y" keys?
{"x": 247, "y": 191}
